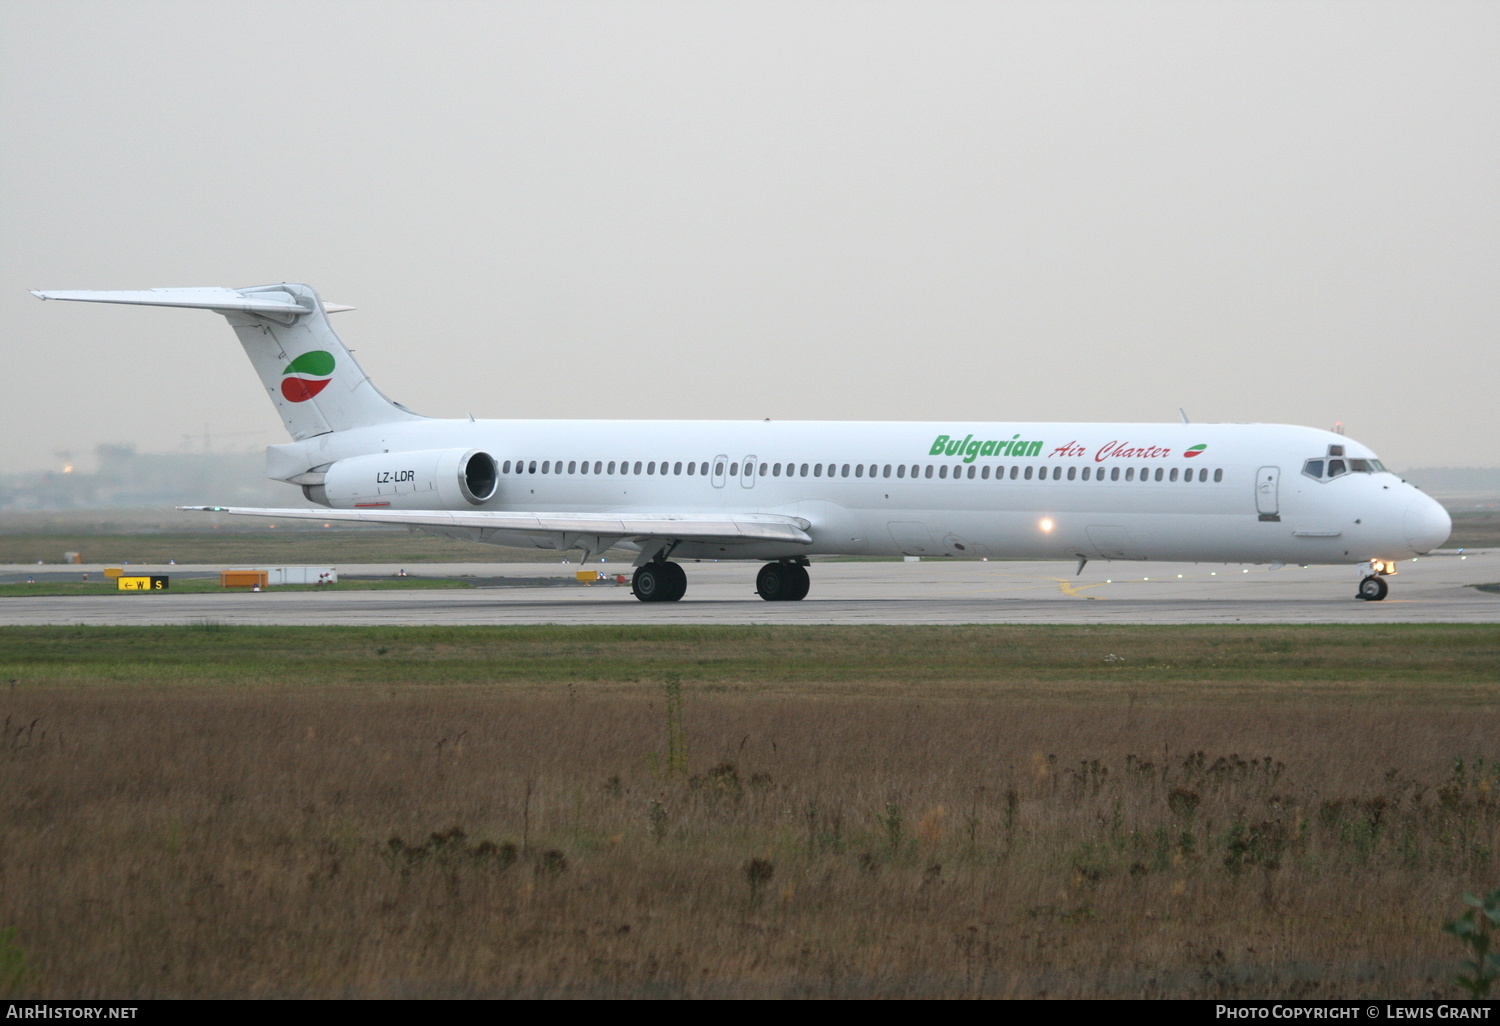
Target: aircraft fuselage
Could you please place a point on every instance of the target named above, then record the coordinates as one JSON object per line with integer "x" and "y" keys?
{"x": 1181, "y": 492}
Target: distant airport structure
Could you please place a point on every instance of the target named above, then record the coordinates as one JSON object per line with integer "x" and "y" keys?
{"x": 1459, "y": 487}
{"x": 123, "y": 478}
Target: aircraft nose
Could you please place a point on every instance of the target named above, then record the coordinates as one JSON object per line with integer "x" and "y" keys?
{"x": 1428, "y": 524}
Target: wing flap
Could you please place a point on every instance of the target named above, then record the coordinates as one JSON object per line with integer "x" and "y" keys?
{"x": 716, "y": 527}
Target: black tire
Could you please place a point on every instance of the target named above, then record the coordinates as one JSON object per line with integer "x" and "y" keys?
{"x": 676, "y": 581}
{"x": 801, "y": 582}
{"x": 772, "y": 583}
{"x": 1373, "y": 589}
{"x": 782, "y": 582}
{"x": 649, "y": 583}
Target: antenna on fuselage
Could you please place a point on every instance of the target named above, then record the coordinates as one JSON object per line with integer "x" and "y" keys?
{"x": 1183, "y": 414}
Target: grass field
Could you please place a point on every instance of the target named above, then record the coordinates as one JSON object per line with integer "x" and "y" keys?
{"x": 936, "y": 812}
{"x": 1475, "y": 529}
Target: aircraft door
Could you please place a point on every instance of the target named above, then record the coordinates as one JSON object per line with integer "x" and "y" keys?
{"x": 747, "y": 473}
{"x": 1267, "y": 480}
{"x": 721, "y": 467}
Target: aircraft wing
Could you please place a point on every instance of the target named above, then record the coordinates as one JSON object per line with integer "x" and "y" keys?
{"x": 697, "y": 527}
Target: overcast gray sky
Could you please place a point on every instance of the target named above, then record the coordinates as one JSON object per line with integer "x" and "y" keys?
{"x": 924, "y": 210}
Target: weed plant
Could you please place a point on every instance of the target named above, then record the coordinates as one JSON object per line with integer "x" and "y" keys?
{"x": 466, "y": 814}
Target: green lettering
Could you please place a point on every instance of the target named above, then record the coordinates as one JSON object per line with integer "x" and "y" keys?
{"x": 970, "y": 449}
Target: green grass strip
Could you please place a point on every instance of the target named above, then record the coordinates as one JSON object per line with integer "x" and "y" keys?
{"x": 1456, "y": 664}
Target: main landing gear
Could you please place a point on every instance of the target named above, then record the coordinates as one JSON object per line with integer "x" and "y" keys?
{"x": 662, "y": 581}
{"x": 659, "y": 581}
{"x": 782, "y": 582}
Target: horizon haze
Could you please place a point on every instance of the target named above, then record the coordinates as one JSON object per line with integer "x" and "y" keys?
{"x": 952, "y": 211}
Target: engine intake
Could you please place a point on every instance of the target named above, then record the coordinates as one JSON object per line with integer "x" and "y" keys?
{"x": 427, "y": 479}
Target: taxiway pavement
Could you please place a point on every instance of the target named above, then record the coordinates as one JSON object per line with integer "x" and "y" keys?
{"x": 1435, "y": 589}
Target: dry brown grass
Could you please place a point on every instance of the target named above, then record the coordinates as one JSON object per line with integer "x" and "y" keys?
{"x": 294, "y": 840}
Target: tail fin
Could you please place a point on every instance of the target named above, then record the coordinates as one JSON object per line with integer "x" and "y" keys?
{"x": 313, "y": 380}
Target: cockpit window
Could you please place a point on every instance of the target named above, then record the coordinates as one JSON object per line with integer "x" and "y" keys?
{"x": 1327, "y": 470}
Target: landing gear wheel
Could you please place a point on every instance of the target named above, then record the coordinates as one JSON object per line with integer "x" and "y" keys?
{"x": 782, "y": 582}
{"x": 659, "y": 582}
{"x": 800, "y": 581}
{"x": 647, "y": 583}
{"x": 676, "y": 579}
{"x": 771, "y": 583}
{"x": 1372, "y": 589}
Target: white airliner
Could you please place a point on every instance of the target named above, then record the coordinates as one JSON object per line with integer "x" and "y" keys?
{"x": 779, "y": 492}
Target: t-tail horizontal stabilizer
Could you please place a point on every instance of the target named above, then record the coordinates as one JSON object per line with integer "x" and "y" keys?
{"x": 194, "y": 299}
{"x": 310, "y": 375}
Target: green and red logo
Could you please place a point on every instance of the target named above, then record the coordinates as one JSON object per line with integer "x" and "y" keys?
{"x": 1196, "y": 450}
{"x": 307, "y": 375}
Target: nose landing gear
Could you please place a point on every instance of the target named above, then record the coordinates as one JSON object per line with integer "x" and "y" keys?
{"x": 1372, "y": 587}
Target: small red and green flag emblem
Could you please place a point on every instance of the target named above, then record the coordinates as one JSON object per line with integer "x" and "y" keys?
{"x": 307, "y": 375}
{"x": 1195, "y": 450}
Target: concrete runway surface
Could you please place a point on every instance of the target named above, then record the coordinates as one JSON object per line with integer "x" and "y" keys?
{"x": 1434, "y": 589}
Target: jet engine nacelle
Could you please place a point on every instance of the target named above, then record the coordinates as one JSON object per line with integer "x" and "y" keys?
{"x": 427, "y": 479}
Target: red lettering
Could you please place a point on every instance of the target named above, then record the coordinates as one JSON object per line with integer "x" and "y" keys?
{"x": 1118, "y": 450}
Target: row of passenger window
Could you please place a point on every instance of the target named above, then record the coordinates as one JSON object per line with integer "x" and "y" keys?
{"x": 600, "y": 467}
{"x": 901, "y": 470}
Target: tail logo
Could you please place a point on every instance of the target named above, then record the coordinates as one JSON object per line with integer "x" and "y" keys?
{"x": 307, "y": 375}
